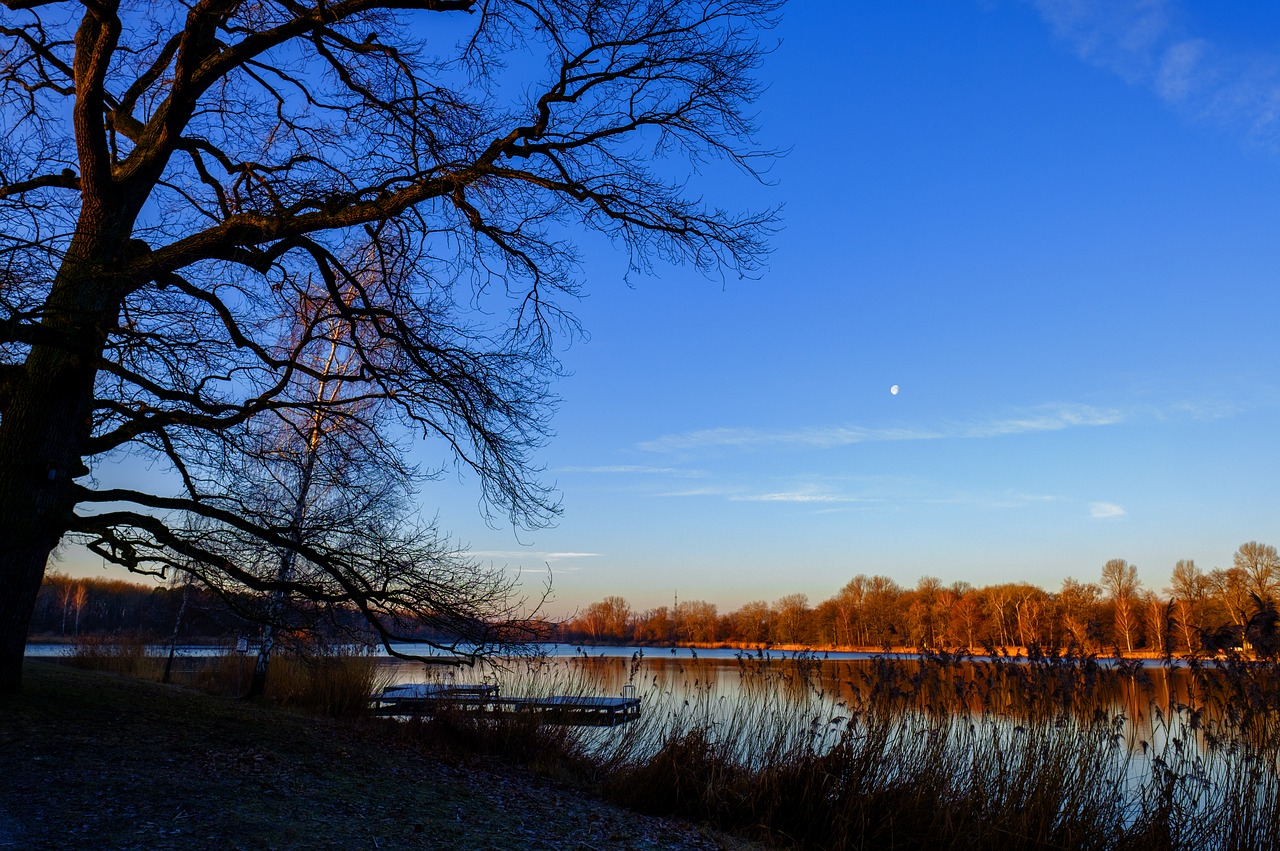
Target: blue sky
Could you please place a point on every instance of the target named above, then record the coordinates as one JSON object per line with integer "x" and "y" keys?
{"x": 1055, "y": 225}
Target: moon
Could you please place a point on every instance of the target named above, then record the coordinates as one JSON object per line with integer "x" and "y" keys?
{"x": 894, "y": 390}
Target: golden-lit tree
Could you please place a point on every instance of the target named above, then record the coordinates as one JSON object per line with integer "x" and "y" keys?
{"x": 1120, "y": 581}
{"x": 1260, "y": 565}
{"x": 1189, "y": 588}
{"x": 1078, "y": 611}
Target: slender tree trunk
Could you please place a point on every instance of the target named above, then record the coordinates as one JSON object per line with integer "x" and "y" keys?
{"x": 177, "y": 627}
{"x": 275, "y": 608}
{"x": 258, "y": 683}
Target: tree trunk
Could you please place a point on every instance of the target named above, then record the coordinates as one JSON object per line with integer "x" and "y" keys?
{"x": 44, "y": 428}
{"x": 276, "y": 608}
{"x": 177, "y": 628}
{"x": 39, "y": 442}
{"x": 258, "y": 683}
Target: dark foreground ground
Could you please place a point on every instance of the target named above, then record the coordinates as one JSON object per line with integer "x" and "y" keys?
{"x": 91, "y": 760}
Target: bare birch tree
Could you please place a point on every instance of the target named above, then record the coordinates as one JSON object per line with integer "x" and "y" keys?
{"x": 173, "y": 173}
{"x": 1189, "y": 587}
{"x": 1120, "y": 580}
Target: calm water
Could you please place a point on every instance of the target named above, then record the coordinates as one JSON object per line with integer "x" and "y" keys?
{"x": 1147, "y": 704}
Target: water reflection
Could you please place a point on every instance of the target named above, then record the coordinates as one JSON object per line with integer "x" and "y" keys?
{"x": 1147, "y": 707}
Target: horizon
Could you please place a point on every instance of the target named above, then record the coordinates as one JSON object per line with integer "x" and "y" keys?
{"x": 1050, "y": 226}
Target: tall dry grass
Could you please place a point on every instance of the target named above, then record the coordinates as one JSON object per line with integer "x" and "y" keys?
{"x": 1054, "y": 750}
{"x": 122, "y": 653}
{"x": 332, "y": 681}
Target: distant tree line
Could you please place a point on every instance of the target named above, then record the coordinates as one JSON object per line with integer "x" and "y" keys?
{"x": 1199, "y": 611}
{"x": 67, "y": 608}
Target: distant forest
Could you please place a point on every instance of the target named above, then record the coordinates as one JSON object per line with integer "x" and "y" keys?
{"x": 1198, "y": 611}
{"x": 67, "y": 608}
{"x": 1219, "y": 609}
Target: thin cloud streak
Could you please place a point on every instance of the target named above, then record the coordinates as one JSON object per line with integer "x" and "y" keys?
{"x": 799, "y": 497}
{"x": 1046, "y": 418}
{"x": 631, "y": 468}
{"x": 1055, "y": 419}
{"x": 531, "y": 555}
{"x": 899, "y": 495}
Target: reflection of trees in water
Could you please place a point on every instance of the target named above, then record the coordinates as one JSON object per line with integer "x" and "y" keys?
{"x": 1076, "y": 752}
{"x": 1209, "y": 709}
{"x": 1209, "y": 706}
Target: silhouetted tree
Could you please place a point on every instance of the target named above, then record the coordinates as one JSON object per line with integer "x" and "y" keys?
{"x": 173, "y": 175}
{"x": 1263, "y": 628}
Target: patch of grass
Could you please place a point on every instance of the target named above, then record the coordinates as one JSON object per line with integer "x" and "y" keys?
{"x": 91, "y": 760}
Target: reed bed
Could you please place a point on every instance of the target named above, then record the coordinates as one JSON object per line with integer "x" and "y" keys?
{"x": 334, "y": 681}
{"x": 1052, "y": 750}
{"x": 123, "y": 653}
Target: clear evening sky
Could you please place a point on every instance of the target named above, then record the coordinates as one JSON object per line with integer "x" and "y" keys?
{"x": 1054, "y": 225}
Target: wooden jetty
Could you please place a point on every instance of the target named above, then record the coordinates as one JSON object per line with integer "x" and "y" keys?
{"x": 426, "y": 699}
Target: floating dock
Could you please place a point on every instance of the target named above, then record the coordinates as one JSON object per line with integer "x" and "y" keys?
{"x": 426, "y": 699}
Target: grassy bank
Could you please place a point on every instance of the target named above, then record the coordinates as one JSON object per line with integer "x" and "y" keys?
{"x": 93, "y": 760}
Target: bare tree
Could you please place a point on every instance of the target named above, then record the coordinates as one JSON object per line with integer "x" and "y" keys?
{"x": 1229, "y": 591}
{"x": 78, "y": 600}
{"x": 965, "y": 618}
{"x": 790, "y": 620}
{"x": 697, "y": 620}
{"x": 850, "y": 630}
{"x": 610, "y": 619}
{"x": 1120, "y": 580}
{"x": 1188, "y": 587}
{"x": 173, "y": 175}
{"x": 65, "y": 590}
{"x": 1260, "y": 565}
{"x": 753, "y": 622}
{"x": 1158, "y": 614}
{"x": 1078, "y": 607}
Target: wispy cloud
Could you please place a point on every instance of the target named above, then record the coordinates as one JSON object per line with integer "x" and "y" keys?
{"x": 826, "y": 494}
{"x": 531, "y": 555}
{"x": 1144, "y": 43}
{"x": 626, "y": 469}
{"x": 797, "y": 496}
{"x": 1106, "y": 510}
{"x": 750, "y": 438}
{"x": 1039, "y": 419}
{"x": 1048, "y": 418}
{"x": 707, "y": 491}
